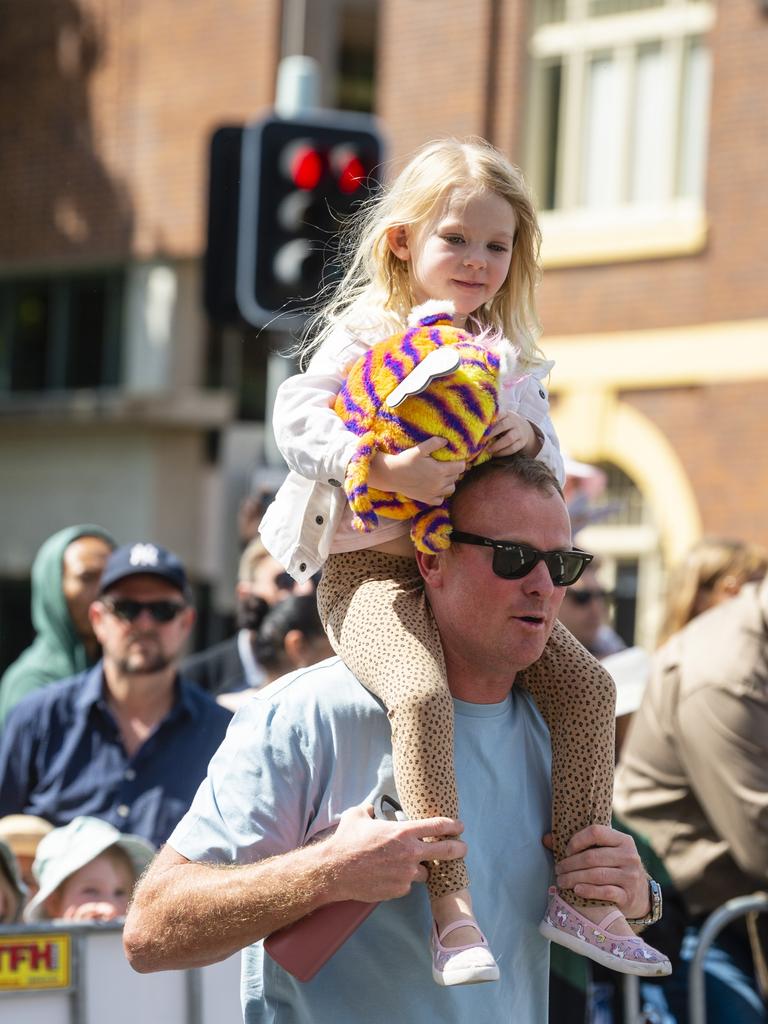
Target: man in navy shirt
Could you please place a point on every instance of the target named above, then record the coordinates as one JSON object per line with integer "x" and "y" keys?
{"x": 128, "y": 741}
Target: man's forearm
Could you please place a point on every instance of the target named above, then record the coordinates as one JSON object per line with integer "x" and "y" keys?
{"x": 189, "y": 915}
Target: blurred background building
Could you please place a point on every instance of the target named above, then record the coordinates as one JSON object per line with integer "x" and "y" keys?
{"x": 642, "y": 127}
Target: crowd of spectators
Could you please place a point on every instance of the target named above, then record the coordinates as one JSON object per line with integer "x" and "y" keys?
{"x": 107, "y": 730}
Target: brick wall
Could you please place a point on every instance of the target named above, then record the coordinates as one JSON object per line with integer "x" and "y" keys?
{"x": 104, "y": 135}
{"x": 719, "y": 434}
{"x": 431, "y": 76}
{"x": 727, "y": 280}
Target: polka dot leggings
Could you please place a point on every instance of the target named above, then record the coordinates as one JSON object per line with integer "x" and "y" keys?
{"x": 376, "y": 615}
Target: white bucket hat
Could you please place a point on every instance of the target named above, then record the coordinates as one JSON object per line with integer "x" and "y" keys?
{"x": 69, "y": 848}
{"x": 631, "y": 669}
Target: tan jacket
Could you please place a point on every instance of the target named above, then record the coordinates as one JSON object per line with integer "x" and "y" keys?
{"x": 693, "y": 776}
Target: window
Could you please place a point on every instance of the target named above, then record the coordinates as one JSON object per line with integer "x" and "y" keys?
{"x": 356, "y": 71}
{"x": 60, "y": 333}
{"x": 627, "y": 541}
{"x": 618, "y": 116}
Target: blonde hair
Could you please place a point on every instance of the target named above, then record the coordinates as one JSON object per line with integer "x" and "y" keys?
{"x": 697, "y": 582}
{"x": 377, "y": 282}
{"x": 251, "y": 558}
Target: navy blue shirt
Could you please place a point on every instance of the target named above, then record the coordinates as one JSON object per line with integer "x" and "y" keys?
{"x": 61, "y": 755}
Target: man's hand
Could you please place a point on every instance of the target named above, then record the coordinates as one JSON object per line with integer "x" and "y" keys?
{"x": 380, "y": 860}
{"x": 602, "y": 863}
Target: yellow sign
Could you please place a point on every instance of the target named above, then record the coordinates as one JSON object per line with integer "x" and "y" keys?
{"x": 35, "y": 961}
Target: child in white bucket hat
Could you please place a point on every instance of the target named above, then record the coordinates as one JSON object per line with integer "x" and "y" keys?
{"x": 86, "y": 871}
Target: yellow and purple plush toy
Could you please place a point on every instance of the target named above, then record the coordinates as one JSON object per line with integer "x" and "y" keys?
{"x": 432, "y": 380}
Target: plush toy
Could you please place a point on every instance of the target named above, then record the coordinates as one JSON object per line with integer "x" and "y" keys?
{"x": 433, "y": 380}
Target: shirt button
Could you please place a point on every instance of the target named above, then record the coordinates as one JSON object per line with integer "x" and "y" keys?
{"x": 123, "y": 810}
{"x": 302, "y": 566}
{"x": 541, "y": 394}
{"x": 319, "y": 520}
{"x": 334, "y": 483}
{"x": 130, "y": 774}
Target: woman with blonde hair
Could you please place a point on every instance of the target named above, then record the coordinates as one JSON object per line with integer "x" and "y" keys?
{"x": 713, "y": 570}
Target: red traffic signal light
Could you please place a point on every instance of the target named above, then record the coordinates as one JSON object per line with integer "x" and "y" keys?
{"x": 303, "y": 164}
{"x": 300, "y": 179}
{"x": 349, "y": 169}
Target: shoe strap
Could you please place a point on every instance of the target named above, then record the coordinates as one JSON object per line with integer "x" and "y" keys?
{"x": 455, "y": 925}
{"x": 608, "y": 919}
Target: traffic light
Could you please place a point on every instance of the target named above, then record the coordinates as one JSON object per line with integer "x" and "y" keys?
{"x": 220, "y": 262}
{"x": 300, "y": 178}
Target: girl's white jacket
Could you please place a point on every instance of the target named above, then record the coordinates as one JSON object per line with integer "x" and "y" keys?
{"x": 299, "y": 525}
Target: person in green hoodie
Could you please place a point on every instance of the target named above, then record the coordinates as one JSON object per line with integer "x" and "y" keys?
{"x": 65, "y": 580}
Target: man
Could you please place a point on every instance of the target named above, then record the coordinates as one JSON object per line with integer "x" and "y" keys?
{"x": 585, "y": 613}
{"x": 65, "y": 580}
{"x": 693, "y": 780}
{"x": 311, "y": 751}
{"x": 231, "y": 665}
{"x": 127, "y": 741}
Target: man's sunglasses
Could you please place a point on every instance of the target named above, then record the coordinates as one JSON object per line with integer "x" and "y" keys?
{"x": 512, "y": 561}
{"x": 584, "y": 597}
{"x": 284, "y": 580}
{"x": 127, "y": 610}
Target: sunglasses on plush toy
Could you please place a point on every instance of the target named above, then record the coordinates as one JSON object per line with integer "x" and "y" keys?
{"x": 512, "y": 561}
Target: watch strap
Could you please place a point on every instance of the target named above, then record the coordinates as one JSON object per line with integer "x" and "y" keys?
{"x": 654, "y": 914}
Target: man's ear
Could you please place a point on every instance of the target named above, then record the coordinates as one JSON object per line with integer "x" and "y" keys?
{"x": 397, "y": 238}
{"x": 430, "y": 568}
{"x": 96, "y": 615}
{"x": 188, "y": 618}
{"x": 294, "y": 645}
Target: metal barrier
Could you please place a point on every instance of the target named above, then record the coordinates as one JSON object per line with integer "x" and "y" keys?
{"x": 631, "y": 999}
{"x": 711, "y": 928}
{"x": 77, "y": 974}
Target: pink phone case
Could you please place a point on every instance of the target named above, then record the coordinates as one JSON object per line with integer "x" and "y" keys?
{"x": 303, "y": 947}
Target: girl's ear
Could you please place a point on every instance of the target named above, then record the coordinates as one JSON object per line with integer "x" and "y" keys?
{"x": 398, "y": 241}
{"x": 52, "y": 904}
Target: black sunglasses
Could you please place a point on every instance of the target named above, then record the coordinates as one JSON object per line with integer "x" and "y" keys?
{"x": 585, "y": 597}
{"x": 284, "y": 580}
{"x": 512, "y": 561}
{"x": 128, "y": 610}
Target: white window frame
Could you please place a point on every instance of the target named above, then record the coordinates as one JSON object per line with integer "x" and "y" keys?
{"x": 575, "y": 234}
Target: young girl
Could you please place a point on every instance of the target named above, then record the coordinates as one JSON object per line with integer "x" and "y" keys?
{"x": 457, "y": 224}
{"x": 86, "y": 871}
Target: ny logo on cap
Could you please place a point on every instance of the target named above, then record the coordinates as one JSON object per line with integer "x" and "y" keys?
{"x": 144, "y": 554}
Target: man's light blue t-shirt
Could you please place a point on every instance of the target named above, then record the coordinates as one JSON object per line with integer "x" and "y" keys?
{"x": 315, "y": 743}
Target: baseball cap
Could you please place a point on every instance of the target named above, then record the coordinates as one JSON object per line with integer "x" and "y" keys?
{"x": 67, "y": 849}
{"x": 144, "y": 559}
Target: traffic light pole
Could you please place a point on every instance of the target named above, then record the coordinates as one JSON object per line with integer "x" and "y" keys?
{"x": 298, "y": 90}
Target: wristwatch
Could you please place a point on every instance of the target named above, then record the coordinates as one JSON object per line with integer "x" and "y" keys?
{"x": 654, "y": 914}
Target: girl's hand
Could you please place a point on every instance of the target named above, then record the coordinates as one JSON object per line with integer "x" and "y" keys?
{"x": 96, "y": 911}
{"x": 512, "y": 433}
{"x": 416, "y": 474}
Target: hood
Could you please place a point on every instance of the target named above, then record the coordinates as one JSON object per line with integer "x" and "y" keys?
{"x": 56, "y": 651}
